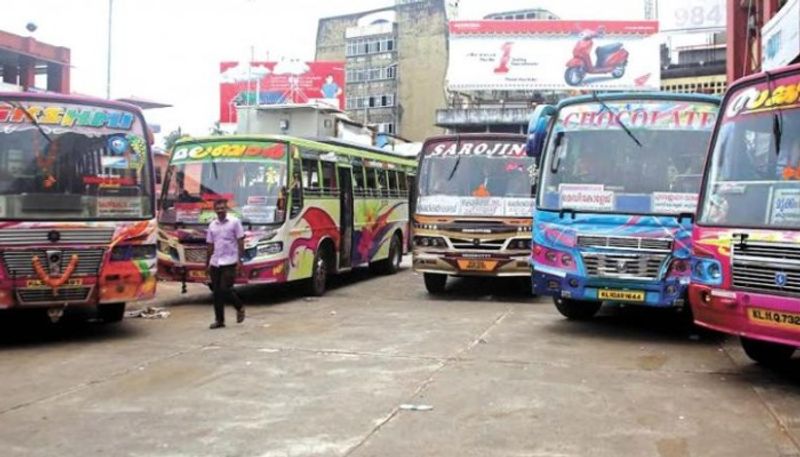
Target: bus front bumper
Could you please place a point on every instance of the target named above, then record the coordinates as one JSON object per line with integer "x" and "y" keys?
{"x": 471, "y": 264}
{"x": 556, "y": 283}
{"x": 268, "y": 272}
{"x": 758, "y": 316}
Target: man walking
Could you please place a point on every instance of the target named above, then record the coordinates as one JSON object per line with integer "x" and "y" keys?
{"x": 225, "y": 240}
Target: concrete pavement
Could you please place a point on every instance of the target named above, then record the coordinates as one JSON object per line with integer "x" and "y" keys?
{"x": 505, "y": 375}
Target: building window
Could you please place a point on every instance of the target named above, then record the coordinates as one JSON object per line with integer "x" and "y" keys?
{"x": 368, "y": 46}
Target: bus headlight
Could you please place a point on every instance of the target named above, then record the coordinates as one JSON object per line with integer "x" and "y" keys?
{"x": 270, "y": 248}
{"x": 706, "y": 271}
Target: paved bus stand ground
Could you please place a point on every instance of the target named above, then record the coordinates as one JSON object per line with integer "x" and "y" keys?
{"x": 378, "y": 368}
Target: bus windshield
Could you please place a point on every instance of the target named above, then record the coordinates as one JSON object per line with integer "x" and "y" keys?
{"x": 476, "y": 177}
{"x": 751, "y": 182}
{"x": 250, "y": 175}
{"x": 69, "y": 161}
{"x": 643, "y": 157}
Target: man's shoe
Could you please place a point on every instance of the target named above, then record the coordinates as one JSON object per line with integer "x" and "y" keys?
{"x": 240, "y": 315}
{"x": 216, "y": 325}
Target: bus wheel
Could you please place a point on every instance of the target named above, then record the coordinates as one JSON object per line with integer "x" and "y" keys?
{"x": 766, "y": 353}
{"x": 391, "y": 265}
{"x": 577, "y": 310}
{"x": 319, "y": 275}
{"x": 435, "y": 282}
{"x": 112, "y": 312}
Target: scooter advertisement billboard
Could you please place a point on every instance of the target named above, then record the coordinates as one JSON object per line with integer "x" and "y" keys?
{"x": 554, "y": 55}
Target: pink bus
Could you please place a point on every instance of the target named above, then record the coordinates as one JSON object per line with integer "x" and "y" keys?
{"x": 746, "y": 263}
{"x": 77, "y": 209}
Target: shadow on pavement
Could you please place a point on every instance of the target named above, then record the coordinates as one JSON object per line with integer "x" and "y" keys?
{"x": 512, "y": 290}
{"x": 637, "y": 324}
{"x": 32, "y": 327}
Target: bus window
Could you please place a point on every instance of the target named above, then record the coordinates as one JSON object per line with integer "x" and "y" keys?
{"x": 329, "y": 177}
{"x": 372, "y": 182}
{"x": 310, "y": 174}
{"x": 358, "y": 178}
{"x": 403, "y": 182}
{"x": 296, "y": 189}
{"x": 383, "y": 186}
{"x": 393, "y": 189}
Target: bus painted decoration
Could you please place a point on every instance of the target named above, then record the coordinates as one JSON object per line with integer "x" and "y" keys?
{"x": 67, "y": 115}
{"x": 293, "y": 205}
{"x": 620, "y": 176}
{"x": 77, "y": 208}
{"x": 744, "y": 275}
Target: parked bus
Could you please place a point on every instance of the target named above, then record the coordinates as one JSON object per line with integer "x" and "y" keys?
{"x": 620, "y": 176}
{"x": 77, "y": 205}
{"x": 474, "y": 207}
{"x": 309, "y": 208}
{"x": 746, "y": 265}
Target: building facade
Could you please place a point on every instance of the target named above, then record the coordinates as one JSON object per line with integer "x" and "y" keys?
{"x": 396, "y": 60}
{"x": 28, "y": 64}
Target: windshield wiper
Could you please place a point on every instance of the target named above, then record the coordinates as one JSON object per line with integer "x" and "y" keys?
{"x": 458, "y": 159}
{"x": 616, "y": 118}
{"x": 777, "y": 119}
{"x": 30, "y": 117}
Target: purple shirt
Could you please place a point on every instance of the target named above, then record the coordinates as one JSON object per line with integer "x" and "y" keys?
{"x": 225, "y": 237}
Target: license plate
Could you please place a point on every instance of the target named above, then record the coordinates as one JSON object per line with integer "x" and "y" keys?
{"x": 621, "y": 295}
{"x": 790, "y": 321}
{"x": 198, "y": 274}
{"x": 477, "y": 265}
{"x": 37, "y": 284}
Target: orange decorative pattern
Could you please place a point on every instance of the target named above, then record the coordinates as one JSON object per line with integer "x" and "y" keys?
{"x": 55, "y": 283}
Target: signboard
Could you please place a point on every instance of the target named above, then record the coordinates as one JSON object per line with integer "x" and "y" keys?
{"x": 692, "y": 15}
{"x": 649, "y": 114}
{"x": 228, "y": 151}
{"x": 785, "y": 208}
{"x": 441, "y": 205}
{"x": 779, "y": 93}
{"x": 674, "y": 202}
{"x": 587, "y": 197}
{"x": 780, "y": 37}
{"x": 554, "y": 55}
{"x": 275, "y": 83}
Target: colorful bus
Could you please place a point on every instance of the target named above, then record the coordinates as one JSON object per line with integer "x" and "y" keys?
{"x": 746, "y": 263}
{"x": 620, "y": 175}
{"x": 474, "y": 207}
{"x": 77, "y": 205}
{"x": 309, "y": 207}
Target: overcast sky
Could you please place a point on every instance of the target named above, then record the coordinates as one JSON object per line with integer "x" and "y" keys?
{"x": 169, "y": 50}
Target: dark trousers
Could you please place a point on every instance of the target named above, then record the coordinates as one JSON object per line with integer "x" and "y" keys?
{"x": 222, "y": 280}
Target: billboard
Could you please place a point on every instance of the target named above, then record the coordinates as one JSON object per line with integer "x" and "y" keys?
{"x": 272, "y": 83}
{"x": 692, "y": 15}
{"x": 780, "y": 37}
{"x": 554, "y": 55}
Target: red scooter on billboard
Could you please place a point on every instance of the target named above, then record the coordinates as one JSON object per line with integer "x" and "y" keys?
{"x": 611, "y": 58}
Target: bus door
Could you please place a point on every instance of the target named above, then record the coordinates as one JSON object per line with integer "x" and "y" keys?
{"x": 346, "y": 217}
{"x": 411, "y": 185}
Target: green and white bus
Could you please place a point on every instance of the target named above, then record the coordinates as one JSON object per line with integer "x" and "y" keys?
{"x": 309, "y": 207}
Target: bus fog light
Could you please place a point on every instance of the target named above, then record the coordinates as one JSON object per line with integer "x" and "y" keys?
{"x": 573, "y": 283}
{"x": 553, "y": 285}
{"x": 671, "y": 290}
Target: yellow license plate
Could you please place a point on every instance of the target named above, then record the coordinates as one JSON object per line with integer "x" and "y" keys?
{"x": 790, "y": 321}
{"x": 199, "y": 274}
{"x": 477, "y": 265}
{"x": 621, "y": 295}
{"x": 37, "y": 284}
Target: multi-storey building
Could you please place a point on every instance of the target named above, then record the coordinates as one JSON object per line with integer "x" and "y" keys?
{"x": 396, "y": 59}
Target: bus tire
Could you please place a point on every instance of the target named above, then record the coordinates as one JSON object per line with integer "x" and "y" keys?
{"x": 577, "y": 310}
{"x": 435, "y": 282}
{"x": 391, "y": 265}
{"x": 317, "y": 284}
{"x": 112, "y": 312}
{"x": 767, "y": 353}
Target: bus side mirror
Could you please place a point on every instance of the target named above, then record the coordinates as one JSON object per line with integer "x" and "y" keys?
{"x": 537, "y": 130}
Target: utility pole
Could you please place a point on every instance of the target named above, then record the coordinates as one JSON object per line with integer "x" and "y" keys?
{"x": 108, "y": 58}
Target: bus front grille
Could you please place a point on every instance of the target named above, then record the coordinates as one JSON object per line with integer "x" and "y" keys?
{"x": 61, "y": 295}
{"x": 18, "y": 237}
{"x": 766, "y": 267}
{"x": 624, "y": 266}
{"x": 20, "y": 263}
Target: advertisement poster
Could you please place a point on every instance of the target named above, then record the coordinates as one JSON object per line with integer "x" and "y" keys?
{"x": 276, "y": 83}
{"x": 785, "y": 208}
{"x": 440, "y": 205}
{"x": 554, "y": 55}
{"x": 587, "y": 197}
{"x": 650, "y": 114}
{"x": 692, "y": 15}
{"x": 780, "y": 37}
